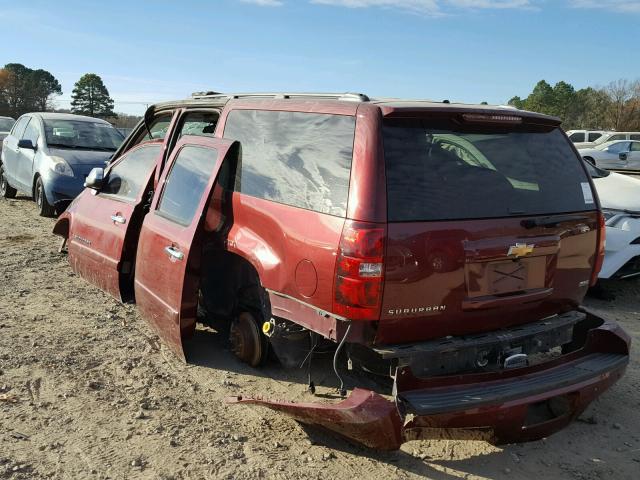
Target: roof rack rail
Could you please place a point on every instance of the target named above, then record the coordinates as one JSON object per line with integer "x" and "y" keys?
{"x": 346, "y": 96}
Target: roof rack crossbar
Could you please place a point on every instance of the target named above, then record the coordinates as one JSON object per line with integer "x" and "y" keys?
{"x": 346, "y": 96}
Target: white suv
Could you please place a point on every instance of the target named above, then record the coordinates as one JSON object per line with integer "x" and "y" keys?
{"x": 607, "y": 137}
{"x": 582, "y": 136}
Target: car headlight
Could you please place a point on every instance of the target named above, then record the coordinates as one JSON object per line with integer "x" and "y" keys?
{"x": 60, "y": 166}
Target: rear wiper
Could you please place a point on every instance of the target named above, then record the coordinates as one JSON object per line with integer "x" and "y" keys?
{"x": 550, "y": 221}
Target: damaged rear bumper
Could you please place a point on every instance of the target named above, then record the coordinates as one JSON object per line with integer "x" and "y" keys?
{"x": 501, "y": 407}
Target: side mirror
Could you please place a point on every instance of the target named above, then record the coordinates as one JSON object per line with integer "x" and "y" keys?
{"x": 26, "y": 143}
{"x": 95, "y": 178}
{"x": 623, "y": 156}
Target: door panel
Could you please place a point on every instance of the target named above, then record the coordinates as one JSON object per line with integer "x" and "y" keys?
{"x": 26, "y": 156}
{"x": 634, "y": 157}
{"x": 10, "y": 151}
{"x": 167, "y": 264}
{"x": 104, "y": 226}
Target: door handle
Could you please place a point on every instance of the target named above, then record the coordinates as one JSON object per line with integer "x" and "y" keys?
{"x": 118, "y": 219}
{"x": 173, "y": 252}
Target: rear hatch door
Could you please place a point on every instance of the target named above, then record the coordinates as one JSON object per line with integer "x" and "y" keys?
{"x": 491, "y": 224}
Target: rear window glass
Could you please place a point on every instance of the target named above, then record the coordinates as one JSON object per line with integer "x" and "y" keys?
{"x": 299, "y": 159}
{"x": 445, "y": 171}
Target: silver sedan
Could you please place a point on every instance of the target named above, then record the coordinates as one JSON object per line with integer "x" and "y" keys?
{"x": 618, "y": 155}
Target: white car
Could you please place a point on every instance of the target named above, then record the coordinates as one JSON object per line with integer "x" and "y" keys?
{"x": 620, "y": 200}
{"x": 619, "y": 155}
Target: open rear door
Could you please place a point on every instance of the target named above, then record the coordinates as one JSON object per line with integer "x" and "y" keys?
{"x": 167, "y": 265}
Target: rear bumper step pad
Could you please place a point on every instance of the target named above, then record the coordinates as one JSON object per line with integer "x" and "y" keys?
{"x": 451, "y": 399}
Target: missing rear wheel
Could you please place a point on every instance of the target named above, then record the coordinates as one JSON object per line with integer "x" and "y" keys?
{"x": 247, "y": 341}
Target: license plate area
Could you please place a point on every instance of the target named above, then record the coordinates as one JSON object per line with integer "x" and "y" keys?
{"x": 505, "y": 276}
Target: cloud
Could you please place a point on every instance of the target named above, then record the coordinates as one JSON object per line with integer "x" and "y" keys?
{"x": 264, "y": 3}
{"x": 625, "y": 6}
{"x": 428, "y": 7}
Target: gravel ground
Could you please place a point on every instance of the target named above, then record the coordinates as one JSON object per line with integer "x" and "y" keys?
{"x": 87, "y": 391}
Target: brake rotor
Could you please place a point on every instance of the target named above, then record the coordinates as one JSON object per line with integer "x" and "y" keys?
{"x": 246, "y": 339}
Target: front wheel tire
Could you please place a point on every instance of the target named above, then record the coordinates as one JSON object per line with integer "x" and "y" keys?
{"x": 6, "y": 190}
{"x": 45, "y": 209}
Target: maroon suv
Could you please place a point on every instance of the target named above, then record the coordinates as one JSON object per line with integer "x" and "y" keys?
{"x": 446, "y": 247}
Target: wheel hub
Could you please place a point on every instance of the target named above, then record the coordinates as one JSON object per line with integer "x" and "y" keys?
{"x": 246, "y": 341}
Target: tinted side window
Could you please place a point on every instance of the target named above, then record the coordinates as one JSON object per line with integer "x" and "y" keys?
{"x": 202, "y": 124}
{"x": 635, "y": 146}
{"x": 577, "y": 137}
{"x": 594, "y": 136}
{"x": 18, "y": 128}
{"x": 299, "y": 159}
{"x": 32, "y": 132}
{"x": 186, "y": 182}
{"x": 635, "y": 137}
{"x": 620, "y": 136}
{"x": 126, "y": 179}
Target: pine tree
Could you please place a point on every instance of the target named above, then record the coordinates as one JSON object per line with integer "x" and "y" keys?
{"x": 91, "y": 97}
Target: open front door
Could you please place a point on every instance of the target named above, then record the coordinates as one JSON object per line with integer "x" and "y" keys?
{"x": 167, "y": 265}
{"x": 104, "y": 223}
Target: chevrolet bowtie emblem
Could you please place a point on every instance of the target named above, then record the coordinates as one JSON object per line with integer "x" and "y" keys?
{"x": 520, "y": 250}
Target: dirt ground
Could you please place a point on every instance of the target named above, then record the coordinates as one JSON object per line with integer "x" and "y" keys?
{"x": 87, "y": 391}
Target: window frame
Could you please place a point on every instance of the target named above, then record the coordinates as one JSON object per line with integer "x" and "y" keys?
{"x": 14, "y": 131}
{"x": 119, "y": 160}
{"x": 32, "y": 121}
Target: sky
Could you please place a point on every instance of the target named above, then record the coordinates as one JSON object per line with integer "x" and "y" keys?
{"x": 462, "y": 50}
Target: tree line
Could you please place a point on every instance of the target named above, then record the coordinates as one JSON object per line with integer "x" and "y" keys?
{"x": 24, "y": 90}
{"x": 613, "y": 107}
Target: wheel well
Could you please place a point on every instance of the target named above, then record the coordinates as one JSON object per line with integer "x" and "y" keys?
{"x": 61, "y": 228}
{"x": 229, "y": 285}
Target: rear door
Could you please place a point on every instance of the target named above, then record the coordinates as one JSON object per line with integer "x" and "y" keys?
{"x": 100, "y": 246}
{"x": 634, "y": 156}
{"x": 489, "y": 225}
{"x": 10, "y": 150}
{"x": 166, "y": 276}
{"x": 614, "y": 159}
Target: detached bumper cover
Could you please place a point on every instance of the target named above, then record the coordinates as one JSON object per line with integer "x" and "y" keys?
{"x": 501, "y": 407}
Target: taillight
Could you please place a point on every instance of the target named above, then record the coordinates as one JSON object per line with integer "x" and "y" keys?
{"x": 602, "y": 234}
{"x": 359, "y": 271}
